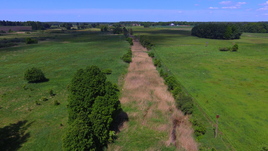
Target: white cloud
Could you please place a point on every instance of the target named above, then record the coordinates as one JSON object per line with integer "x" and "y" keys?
{"x": 266, "y": 3}
{"x": 225, "y": 2}
{"x": 213, "y": 8}
{"x": 236, "y": 6}
{"x": 241, "y": 3}
{"x": 264, "y": 8}
{"x": 230, "y": 7}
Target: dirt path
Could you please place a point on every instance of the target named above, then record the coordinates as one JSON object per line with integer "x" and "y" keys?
{"x": 143, "y": 86}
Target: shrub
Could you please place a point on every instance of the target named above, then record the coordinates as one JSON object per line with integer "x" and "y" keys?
{"x": 34, "y": 75}
{"x": 185, "y": 103}
{"x": 157, "y": 62}
{"x": 130, "y": 40}
{"x": 37, "y": 103}
{"x": 51, "y": 93}
{"x": 145, "y": 42}
{"x": 44, "y": 99}
{"x": 171, "y": 82}
{"x": 225, "y": 49}
{"x": 163, "y": 74}
{"x": 151, "y": 54}
{"x": 127, "y": 57}
{"x": 56, "y": 103}
{"x": 107, "y": 71}
{"x": 31, "y": 41}
{"x": 199, "y": 128}
{"x": 235, "y": 47}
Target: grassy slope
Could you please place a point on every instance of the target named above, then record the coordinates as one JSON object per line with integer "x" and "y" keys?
{"x": 59, "y": 59}
{"x": 231, "y": 84}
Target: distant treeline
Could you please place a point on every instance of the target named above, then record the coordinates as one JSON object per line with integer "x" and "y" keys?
{"x": 253, "y": 27}
{"x": 35, "y": 25}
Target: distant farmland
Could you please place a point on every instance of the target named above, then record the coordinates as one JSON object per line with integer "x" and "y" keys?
{"x": 15, "y": 28}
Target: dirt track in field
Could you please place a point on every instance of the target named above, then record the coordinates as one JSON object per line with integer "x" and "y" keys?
{"x": 144, "y": 87}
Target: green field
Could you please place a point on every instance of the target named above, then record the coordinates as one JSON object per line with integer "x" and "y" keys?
{"x": 40, "y": 127}
{"x": 231, "y": 84}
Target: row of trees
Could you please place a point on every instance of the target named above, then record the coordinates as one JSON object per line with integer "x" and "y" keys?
{"x": 254, "y": 27}
{"x": 35, "y": 25}
{"x": 93, "y": 106}
{"x": 217, "y": 31}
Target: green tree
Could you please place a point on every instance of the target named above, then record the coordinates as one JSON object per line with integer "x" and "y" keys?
{"x": 104, "y": 28}
{"x": 34, "y": 75}
{"x": 79, "y": 137}
{"x": 85, "y": 87}
{"x": 235, "y": 47}
{"x": 93, "y": 105}
{"x": 228, "y": 32}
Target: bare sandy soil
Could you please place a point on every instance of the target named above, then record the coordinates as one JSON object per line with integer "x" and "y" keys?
{"x": 144, "y": 87}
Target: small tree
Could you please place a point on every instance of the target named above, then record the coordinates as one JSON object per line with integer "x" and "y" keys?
{"x": 31, "y": 41}
{"x": 235, "y": 47}
{"x": 34, "y": 75}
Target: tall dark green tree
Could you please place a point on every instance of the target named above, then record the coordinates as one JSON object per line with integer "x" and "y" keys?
{"x": 93, "y": 105}
{"x": 85, "y": 87}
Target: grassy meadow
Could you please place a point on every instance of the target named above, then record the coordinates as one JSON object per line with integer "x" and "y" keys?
{"x": 40, "y": 127}
{"x": 233, "y": 85}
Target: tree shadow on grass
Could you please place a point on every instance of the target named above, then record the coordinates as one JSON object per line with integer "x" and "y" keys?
{"x": 14, "y": 135}
{"x": 119, "y": 121}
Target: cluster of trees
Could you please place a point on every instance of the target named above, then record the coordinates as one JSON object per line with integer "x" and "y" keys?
{"x": 254, "y": 27}
{"x": 93, "y": 106}
{"x": 217, "y": 31}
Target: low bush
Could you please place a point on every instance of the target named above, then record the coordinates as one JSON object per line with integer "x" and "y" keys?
{"x": 31, "y": 41}
{"x": 235, "y": 47}
{"x": 51, "y": 93}
{"x": 151, "y": 54}
{"x": 145, "y": 42}
{"x": 224, "y": 48}
{"x": 44, "y": 99}
{"x": 199, "y": 128}
{"x": 107, "y": 71}
{"x": 35, "y": 75}
{"x": 127, "y": 57}
{"x": 130, "y": 40}
{"x": 56, "y": 103}
{"x": 157, "y": 62}
{"x": 185, "y": 103}
{"x": 171, "y": 82}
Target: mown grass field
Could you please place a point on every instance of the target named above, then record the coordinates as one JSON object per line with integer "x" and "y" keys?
{"x": 59, "y": 57}
{"x": 231, "y": 84}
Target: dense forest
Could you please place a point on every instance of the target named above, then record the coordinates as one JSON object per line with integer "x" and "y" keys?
{"x": 217, "y": 31}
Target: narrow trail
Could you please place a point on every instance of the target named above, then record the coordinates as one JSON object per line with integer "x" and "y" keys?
{"x": 143, "y": 86}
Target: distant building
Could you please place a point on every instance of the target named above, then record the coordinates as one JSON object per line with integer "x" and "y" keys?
{"x": 172, "y": 24}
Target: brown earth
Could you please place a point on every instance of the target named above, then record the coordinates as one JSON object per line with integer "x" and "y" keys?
{"x": 143, "y": 86}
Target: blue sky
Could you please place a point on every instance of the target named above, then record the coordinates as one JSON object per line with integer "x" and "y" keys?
{"x": 137, "y": 10}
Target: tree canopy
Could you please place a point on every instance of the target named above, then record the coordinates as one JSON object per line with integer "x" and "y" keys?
{"x": 93, "y": 106}
{"x": 217, "y": 31}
